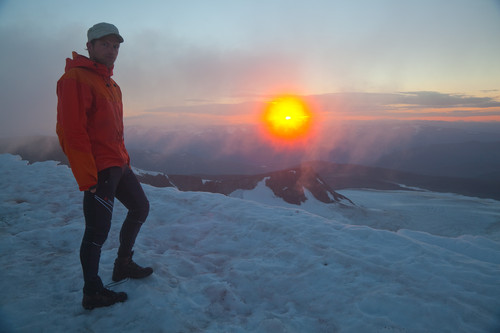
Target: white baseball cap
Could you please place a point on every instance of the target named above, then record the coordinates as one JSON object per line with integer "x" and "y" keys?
{"x": 100, "y": 30}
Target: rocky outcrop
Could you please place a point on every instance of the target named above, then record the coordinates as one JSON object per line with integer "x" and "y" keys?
{"x": 290, "y": 184}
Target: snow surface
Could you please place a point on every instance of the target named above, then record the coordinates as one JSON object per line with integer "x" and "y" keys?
{"x": 422, "y": 261}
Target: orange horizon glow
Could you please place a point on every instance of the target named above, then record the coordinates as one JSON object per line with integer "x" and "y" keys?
{"x": 318, "y": 117}
{"x": 437, "y": 117}
{"x": 422, "y": 118}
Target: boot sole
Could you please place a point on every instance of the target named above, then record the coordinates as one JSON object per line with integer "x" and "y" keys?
{"x": 92, "y": 305}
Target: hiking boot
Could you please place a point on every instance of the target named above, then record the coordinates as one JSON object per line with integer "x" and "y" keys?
{"x": 104, "y": 297}
{"x": 126, "y": 268}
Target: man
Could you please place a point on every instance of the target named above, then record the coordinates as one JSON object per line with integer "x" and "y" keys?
{"x": 90, "y": 131}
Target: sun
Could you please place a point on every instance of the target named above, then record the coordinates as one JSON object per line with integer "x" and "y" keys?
{"x": 287, "y": 118}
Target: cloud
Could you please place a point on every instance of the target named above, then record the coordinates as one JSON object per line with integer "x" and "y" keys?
{"x": 173, "y": 71}
{"x": 331, "y": 108}
{"x": 413, "y": 99}
{"x": 30, "y": 68}
{"x": 402, "y": 105}
{"x": 440, "y": 100}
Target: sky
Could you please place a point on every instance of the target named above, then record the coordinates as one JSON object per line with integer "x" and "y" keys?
{"x": 181, "y": 60}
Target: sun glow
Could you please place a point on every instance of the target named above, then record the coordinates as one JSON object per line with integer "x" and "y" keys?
{"x": 287, "y": 119}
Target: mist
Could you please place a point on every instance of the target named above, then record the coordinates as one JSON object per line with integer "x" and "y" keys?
{"x": 241, "y": 149}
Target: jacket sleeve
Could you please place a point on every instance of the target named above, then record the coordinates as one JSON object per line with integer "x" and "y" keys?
{"x": 74, "y": 99}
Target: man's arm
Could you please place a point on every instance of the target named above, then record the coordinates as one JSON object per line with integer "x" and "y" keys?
{"x": 74, "y": 99}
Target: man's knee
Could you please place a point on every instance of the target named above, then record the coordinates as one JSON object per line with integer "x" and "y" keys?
{"x": 141, "y": 212}
{"x": 144, "y": 211}
{"x": 96, "y": 237}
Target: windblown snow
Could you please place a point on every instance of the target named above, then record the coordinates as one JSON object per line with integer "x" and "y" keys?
{"x": 406, "y": 261}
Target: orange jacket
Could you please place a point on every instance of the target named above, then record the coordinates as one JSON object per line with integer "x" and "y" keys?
{"x": 90, "y": 119}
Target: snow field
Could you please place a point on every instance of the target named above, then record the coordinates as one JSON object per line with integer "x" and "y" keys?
{"x": 227, "y": 264}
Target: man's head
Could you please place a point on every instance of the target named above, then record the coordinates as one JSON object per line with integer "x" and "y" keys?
{"x": 103, "y": 43}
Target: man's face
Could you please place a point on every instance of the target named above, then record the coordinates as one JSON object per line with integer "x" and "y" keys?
{"x": 104, "y": 50}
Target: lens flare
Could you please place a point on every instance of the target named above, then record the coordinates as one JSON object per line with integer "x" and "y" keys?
{"x": 287, "y": 119}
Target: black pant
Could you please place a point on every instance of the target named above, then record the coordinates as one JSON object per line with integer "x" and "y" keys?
{"x": 114, "y": 182}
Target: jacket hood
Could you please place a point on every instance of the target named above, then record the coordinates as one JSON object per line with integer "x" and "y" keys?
{"x": 81, "y": 61}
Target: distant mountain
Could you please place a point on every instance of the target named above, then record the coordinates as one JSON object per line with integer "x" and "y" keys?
{"x": 323, "y": 179}
{"x": 343, "y": 176}
{"x": 289, "y": 185}
{"x": 465, "y": 160}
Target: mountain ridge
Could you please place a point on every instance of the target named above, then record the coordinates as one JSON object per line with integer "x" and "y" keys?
{"x": 327, "y": 177}
{"x": 289, "y": 184}
{"x": 336, "y": 175}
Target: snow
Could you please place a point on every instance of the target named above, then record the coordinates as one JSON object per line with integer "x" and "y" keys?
{"x": 138, "y": 171}
{"x": 399, "y": 261}
{"x": 264, "y": 195}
